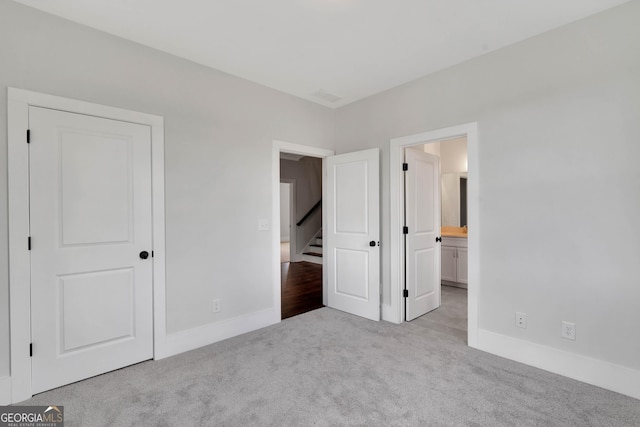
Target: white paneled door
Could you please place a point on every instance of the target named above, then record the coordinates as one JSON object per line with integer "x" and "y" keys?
{"x": 422, "y": 218}
{"x": 353, "y": 233}
{"x": 91, "y": 253}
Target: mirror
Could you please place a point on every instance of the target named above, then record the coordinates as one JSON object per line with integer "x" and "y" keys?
{"x": 454, "y": 199}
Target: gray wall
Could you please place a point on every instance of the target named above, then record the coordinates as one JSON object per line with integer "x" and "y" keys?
{"x": 218, "y": 130}
{"x": 559, "y": 143}
{"x": 558, "y": 121}
{"x": 308, "y": 175}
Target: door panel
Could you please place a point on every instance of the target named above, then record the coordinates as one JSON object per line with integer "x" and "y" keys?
{"x": 424, "y": 267}
{"x": 352, "y": 268}
{"x": 422, "y": 211}
{"x": 94, "y": 210}
{"x": 90, "y": 195}
{"x": 85, "y": 325}
{"x": 352, "y": 208}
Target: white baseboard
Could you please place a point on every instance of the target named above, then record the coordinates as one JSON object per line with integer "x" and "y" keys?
{"x": 389, "y": 315}
{"x": 455, "y": 284}
{"x": 208, "y": 334}
{"x": 310, "y": 258}
{"x": 591, "y": 371}
{"x": 5, "y": 391}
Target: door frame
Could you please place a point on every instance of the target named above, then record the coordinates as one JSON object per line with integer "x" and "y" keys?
{"x": 393, "y": 311}
{"x": 18, "y": 103}
{"x": 305, "y": 150}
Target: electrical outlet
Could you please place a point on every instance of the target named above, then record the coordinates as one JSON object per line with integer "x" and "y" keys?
{"x": 521, "y": 320}
{"x": 216, "y": 306}
{"x": 263, "y": 225}
{"x": 568, "y": 330}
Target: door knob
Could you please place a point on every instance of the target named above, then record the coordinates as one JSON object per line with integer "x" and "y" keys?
{"x": 144, "y": 255}
{"x": 372, "y": 243}
{"x": 438, "y": 239}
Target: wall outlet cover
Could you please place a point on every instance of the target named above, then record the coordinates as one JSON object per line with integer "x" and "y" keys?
{"x": 568, "y": 330}
{"x": 521, "y": 320}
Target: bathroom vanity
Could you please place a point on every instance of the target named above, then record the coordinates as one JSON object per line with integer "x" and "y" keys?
{"x": 454, "y": 257}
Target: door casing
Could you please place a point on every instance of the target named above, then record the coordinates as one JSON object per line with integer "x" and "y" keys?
{"x": 393, "y": 309}
{"x": 18, "y": 102}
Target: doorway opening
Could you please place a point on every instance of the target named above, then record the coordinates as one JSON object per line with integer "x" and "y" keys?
{"x": 300, "y": 234}
{"x": 350, "y": 228}
{"x": 436, "y": 212}
{"x": 394, "y": 309}
{"x": 298, "y": 171}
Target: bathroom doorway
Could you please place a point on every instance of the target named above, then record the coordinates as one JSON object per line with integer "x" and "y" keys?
{"x": 452, "y": 321}
{"x": 448, "y": 311}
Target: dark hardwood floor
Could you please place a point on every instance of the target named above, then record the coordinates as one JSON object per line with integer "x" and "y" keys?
{"x": 301, "y": 288}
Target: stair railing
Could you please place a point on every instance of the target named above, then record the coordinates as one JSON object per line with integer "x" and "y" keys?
{"x": 308, "y": 214}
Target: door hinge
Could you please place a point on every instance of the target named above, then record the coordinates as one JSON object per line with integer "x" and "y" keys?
{"x": 28, "y": 136}
{"x": 29, "y": 243}
{"x": 405, "y": 293}
{"x": 405, "y": 166}
{"x": 405, "y": 230}
{"x": 438, "y": 239}
{"x": 30, "y": 349}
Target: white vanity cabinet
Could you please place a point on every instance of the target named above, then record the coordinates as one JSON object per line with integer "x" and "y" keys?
{"x": 454, "y": 261}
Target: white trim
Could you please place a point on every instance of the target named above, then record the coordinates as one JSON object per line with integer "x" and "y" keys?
{"x": 208, "y": 334}
{"x": 313, "y": 260}
{"x": 5, "y": 391}
{"x": 19, "y": 265}
{"x": 603, "y": 374}
{"x": 394, "y": 311}
{"x": 305, "y": 150}
{"x": 293, "y": 230}
{"x": 18, "y": 102}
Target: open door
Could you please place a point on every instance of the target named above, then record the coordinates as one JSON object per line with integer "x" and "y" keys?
{"x": 422, "y": 220}
{"x": 352, "y": 235}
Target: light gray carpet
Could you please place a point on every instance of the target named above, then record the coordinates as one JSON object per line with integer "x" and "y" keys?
{"x": 451, "y": 317}
{"x": 328, "y": 368}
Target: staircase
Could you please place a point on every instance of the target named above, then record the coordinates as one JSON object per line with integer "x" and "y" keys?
{"x": 313, "y": 251}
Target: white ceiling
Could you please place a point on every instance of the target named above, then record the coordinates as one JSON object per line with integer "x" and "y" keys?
{"x": 323, "y": 49}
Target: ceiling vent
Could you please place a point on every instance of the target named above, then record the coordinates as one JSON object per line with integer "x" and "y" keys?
{"x": 326, "y": 96}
